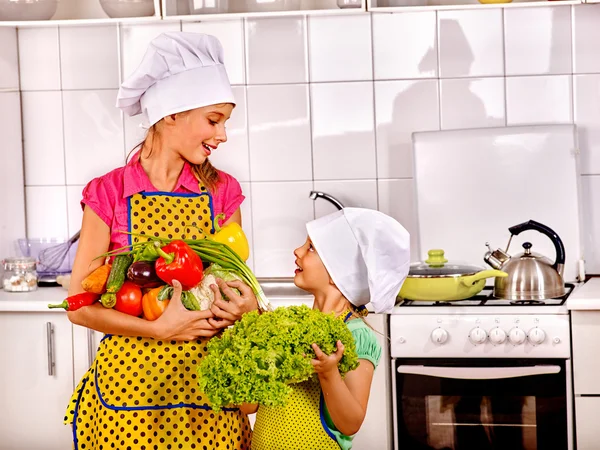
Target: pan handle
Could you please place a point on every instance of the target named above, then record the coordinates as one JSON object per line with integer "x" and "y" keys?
{"x": 470, "y": 280}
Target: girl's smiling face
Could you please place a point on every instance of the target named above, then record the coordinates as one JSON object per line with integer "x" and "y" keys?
{"x": 197, "y": 133}
{"x": 311, "y": 274}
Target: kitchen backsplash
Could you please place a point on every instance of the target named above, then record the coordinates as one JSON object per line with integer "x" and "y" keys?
{"x": 324, "y": 102}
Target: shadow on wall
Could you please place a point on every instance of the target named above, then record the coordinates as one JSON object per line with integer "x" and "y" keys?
{"x": 411, "y": 111}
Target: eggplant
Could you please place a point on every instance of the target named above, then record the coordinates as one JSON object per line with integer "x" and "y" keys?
{"x": 144, "y": 275}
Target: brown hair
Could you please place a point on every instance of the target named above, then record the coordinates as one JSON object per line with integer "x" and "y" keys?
{"x": 205, "y": 173}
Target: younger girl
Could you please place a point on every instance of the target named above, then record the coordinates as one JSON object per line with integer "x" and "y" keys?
{"x": 350, "y": 258}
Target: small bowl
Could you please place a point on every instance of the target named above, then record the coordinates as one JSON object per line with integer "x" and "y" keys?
{"x": 18, "y": 10}
{"x": 128, "y": 8}
{"x": 34, "y": 246}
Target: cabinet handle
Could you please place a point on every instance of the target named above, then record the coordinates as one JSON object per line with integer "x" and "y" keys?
{"x": 90, "y": 342}
{"x": 50, "y": 343}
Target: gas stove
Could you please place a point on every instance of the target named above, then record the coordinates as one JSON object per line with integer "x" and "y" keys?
{"x": 486, "y": 298}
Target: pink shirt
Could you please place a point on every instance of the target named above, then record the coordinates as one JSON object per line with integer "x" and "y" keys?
{"x": 107, "y": 195}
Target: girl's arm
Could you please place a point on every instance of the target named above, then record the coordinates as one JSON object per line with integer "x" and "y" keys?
{"x": 176, "y": 323}
{"x": 248, "y": 408}
{"x": 346, "y": 398}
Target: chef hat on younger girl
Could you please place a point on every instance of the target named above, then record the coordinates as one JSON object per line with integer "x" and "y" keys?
{"x": 366, "y": 253}
{"x": 179, "y": 72}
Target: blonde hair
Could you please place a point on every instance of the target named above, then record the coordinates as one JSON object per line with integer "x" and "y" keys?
{"x": 205, "y": 173}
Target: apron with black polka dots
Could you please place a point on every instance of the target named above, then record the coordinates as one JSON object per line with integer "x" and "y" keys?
{"x": 299, "y": 425}
{"x": 142, "y": 393}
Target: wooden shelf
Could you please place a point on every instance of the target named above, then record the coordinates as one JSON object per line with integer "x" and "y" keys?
{"x": 428, "y": 5}
{"x": 82, "y": 12}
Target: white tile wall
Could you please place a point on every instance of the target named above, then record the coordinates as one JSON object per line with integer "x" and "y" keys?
{"x": 93, "y": 134}
{"x": 401, "y": 108}
{"x": 545, "y": 51}
{"x": 39, "y": 59}
{"x": 276, "y": 50}
{"x": 43, "y": 138}
{"x": 471, "y": 43}
{"x": 540, "y": 99}
{"x": 326, "y": 103}
{"x": 279, "y": 129}
{"x": 472, "y": 103}
{"x": 405, "y": 45}
{"x": 343, "y": 131}
{"x": 279, "y": 214}
{"x": 12, "y": 193}
{"x": 587, "y": 117}
{"x": 9, "y": 60}
{"x": 85, "y": 69}
{"x": 586, "y": 35}
{"x": 340, "y": 48}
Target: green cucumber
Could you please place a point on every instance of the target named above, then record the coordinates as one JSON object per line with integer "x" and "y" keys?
{"x": 116, "y": 278}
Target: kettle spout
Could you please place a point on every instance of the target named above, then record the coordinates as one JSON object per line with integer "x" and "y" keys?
{"x": 495, "y": 258}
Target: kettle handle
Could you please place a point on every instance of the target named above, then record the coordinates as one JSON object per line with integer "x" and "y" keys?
{"x": 558, "y": 244}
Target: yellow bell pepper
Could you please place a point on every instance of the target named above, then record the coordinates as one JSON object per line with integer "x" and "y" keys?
{"x": 233, "y": 236}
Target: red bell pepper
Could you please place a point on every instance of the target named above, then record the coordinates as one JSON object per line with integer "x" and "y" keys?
{"x": 74, "y": 302}
{"x": 179, "y": 262}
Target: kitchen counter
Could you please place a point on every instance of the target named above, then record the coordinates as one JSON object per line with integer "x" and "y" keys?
{"x": 281, "y": 292}
{"x": 586, "y": 298}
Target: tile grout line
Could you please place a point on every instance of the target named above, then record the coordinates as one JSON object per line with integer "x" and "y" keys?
{"x": 24, "y": 174}
{"x": 243, "y": 23}
{"x": 505, "y": 79}
{"x": 62, "y": 100}
{"x": 309, "y": 105}
{"x": 375, "y": 134}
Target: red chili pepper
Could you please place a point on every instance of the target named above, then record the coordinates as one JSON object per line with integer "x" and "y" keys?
{"x": 74, "y": 302}
{"x": 179, "y": 262}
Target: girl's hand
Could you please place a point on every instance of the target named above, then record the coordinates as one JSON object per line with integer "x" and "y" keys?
{"x": 179, "y": 324}
{"x": 327, "y": 364}
{"x": 237, "y": 305}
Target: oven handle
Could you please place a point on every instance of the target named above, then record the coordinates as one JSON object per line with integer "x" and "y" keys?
{"x": 478, "y": 373}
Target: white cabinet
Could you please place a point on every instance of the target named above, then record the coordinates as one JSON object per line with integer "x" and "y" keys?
{"x": 586, "y": 411}
{"x": 586, "y": 364}
{"x": 36, "y": 380}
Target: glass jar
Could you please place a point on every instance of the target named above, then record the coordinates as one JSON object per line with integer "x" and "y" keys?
{"x": 20, "y": 274}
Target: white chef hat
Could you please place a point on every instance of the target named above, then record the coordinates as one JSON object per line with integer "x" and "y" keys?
{"x": 366, "y": 253}
{"x": 180, "y": 71}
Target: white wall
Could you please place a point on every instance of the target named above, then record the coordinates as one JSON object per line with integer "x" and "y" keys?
{"x": 323, "y": 102}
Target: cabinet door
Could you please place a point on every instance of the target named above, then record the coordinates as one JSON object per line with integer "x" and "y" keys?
{"x": 587, "y": 410}
{"x": 376, "y": 430}
{"x": 585, "y": 332}
{"x": 35, "y": 392}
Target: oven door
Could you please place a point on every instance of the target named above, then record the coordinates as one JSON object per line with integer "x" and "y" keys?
{"x": 482, "y": 404}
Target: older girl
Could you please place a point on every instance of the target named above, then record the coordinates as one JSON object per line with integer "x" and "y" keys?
{"x": 141, "y": 391}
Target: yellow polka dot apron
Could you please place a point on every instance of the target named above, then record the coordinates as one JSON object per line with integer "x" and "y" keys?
{"x": 142, "y": 393}
{"x": 299, "y": 425}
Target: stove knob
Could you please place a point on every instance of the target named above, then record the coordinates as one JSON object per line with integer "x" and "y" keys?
{"x": 439, "y": 336}
{"x": 497, "y": 336}
{"x": 477, "y": 336}
{"x": 536, "y": 336}
{"x": 516, "y": 336}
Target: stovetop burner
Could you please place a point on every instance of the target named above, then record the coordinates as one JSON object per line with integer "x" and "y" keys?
{"x": 486, "y": 298}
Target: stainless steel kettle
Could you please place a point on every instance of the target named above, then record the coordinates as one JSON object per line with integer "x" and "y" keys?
{"x": 530, "y": 276}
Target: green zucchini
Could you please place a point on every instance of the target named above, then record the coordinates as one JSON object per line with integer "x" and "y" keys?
{"x": 116, "y": 278}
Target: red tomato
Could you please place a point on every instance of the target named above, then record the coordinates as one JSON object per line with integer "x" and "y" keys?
{"x": 129, "y": 299}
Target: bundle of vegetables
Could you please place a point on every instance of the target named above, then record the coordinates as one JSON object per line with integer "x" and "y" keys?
{"x": 257, "y": 359}
{"x": 141, "y": 275}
